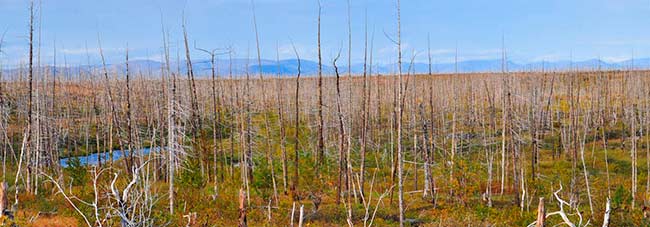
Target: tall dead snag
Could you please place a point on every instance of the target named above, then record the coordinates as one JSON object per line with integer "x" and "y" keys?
{"x": 216, "y": 116}
{"x": 296, "y": 144}
{"x": 504, "y": 115}
{"x": 646, "y": 107}
{"x": 130, "y": 159}
{"x": 265, "y": 105}
{"x": 3, "y": 121}
{"x": 342, "y": 157}
{"x": 350, "y": 81}
{"x": 234, "y": 103}
{"x": 398, "y": 114}
{"x": 247, "y": 167}
{"x": 585, "y": 131}
{"x": 114, "y": 120}
{"x": 364, "y": 115}
{"x": 321, "y": 123}
{"x": 283, "y": 131}
{"x": 488, "y": 148}
{"x": 174, "y": 146}
{"x": 429, "y": 180}
{"x": 30, "y": 119}
{"x": 196, "y": 120}
{"x": 634, "y": 153}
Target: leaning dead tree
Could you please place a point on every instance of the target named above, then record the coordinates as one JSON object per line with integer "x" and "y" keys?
{"x": 296, "y": 143}
{"x": 196, "y": 119}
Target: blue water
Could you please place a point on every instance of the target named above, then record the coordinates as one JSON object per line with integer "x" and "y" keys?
{"x": 92, "y": 159}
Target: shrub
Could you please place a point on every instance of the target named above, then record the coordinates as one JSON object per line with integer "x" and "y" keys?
{"x": 621, "y": 197}
{"x": 76, "y": 171}
{"x": 191, "y": 176}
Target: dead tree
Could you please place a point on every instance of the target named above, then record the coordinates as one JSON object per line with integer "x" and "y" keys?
{"x": 321, "y": 123}
{"x": 30, "y": 118}
{"x": 398, "y": 116}
{"x": 216, "y": 115}
{"x": 265, "y": 105}
{"x": 563, "y": 213}
{"x": 129, "y": 160}
{"x": 283, "y": 131}
{"x": 343, "y": 176}
{"x": 296, "y": 144}
{"x": 364, "y": 115}
{"x": 196, "y": 119}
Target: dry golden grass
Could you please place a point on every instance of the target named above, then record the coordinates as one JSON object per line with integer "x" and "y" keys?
{"x": 55, "y": 221}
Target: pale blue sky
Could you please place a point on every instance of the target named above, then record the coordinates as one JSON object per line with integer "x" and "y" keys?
{"x": 534, "y": 29}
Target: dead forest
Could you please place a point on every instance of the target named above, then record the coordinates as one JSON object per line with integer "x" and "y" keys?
{"x": 535, "y": 148}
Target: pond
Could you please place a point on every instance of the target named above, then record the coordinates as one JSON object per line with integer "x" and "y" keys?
{"x": 92, "y": 159}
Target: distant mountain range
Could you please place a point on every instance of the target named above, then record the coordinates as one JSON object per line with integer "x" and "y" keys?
{"x": 289, "y": 67}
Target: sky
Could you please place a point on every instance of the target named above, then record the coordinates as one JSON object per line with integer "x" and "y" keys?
{"x": 532, "y": 30}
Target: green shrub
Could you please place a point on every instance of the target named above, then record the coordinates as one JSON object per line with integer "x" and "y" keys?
{"x": 76, "y": 171}
{"x": 191, "y": 176}
{"x": 263, "y": 183}
{"x": 621, "y": 197}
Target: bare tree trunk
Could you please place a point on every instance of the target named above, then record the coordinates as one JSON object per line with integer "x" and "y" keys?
{"x": 171, "y": 127}
{"x": 398, "y": 112}
{"x": 30, "y": 119}
{"x": 504, "y": 119}
{"x": 196, "y": 120}
{"x": 364, "y": 116}
{"x": 342, "y": 157}
{"x": 633, "y": 137}
{"x": 266, "y": 107}
{"x": 283, "y": 132}
{"x": 130, "y": 159}
{"x": 216, "y": 118}
{"x": 582, "y": 158}
{"x": 296, "y": 144}
{"x": 608, "y": 211}
{"x": 321, "y": 124}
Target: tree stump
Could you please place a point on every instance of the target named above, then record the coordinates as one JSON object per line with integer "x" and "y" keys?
{"x": 541, "y": 213}
{"x": 242, "y": 208}
{"x": 3, "y": 198}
